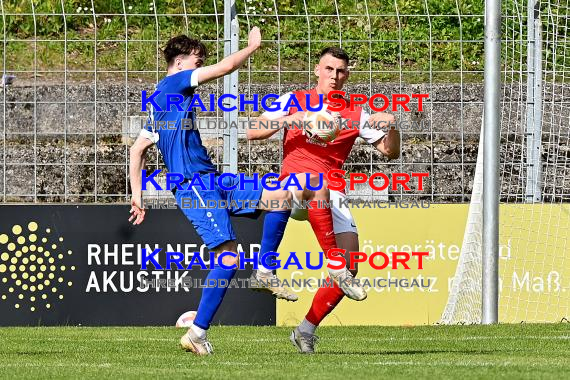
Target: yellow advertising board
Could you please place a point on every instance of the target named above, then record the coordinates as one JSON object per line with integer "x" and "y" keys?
{"x": 439, "y": 230}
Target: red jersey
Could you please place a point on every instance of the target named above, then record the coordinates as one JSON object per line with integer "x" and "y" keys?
{"x": 302, "y": 154}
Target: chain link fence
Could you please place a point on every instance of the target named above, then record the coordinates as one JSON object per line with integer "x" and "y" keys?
{"x": 74, "y": 71}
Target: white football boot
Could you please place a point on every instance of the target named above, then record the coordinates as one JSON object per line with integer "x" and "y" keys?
{"x": 271, "y": 284}
{"x": 349, "y": 285}
{"x": 193, "y": 343}
{"x": 304, "y": 342}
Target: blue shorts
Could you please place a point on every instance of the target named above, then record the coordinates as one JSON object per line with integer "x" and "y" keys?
{"x": 213, "y": 223}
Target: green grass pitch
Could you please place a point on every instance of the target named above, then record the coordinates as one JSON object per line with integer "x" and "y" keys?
{"x": 503, "y": 351}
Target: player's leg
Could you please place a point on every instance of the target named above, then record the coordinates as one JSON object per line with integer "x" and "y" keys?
{"x": 346, "y": 235}
{"x": 276, "y": 218}
{"x": 318, "y": 216}
{"x": 274, "y": 226}
{"x": 328, "y": 223}
{"x": 349, "y": 242}
{"x": 195, "y": 339}
{"x": 274, "y": 229}
{"x": 214, "y": 227}
{"x": 247, "y": 196}
{"x": 327, "y": 298}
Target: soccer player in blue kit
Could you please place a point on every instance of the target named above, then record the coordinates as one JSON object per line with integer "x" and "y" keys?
{"x": 183, "y": 152}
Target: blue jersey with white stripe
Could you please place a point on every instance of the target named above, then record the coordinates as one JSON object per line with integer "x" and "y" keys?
{"x": 181, "y": 146}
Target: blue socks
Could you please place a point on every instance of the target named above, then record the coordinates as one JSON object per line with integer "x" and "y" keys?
{"x": 273, "y": 231}
{"x": 212, "y": 296}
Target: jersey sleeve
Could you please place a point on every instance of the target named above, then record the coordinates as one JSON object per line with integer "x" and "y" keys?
{"x": 184, "y": 81}
{"x": 194, "y": 78}
{"x": 148, "y": 133}
{"x": 148, "y": 130}
{"x": 371, "y": 135}
{"x": 273, "y": 115}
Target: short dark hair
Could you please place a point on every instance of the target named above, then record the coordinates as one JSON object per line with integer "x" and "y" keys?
{"x": 183, "y": 45}
{"x": 335, "y": 52}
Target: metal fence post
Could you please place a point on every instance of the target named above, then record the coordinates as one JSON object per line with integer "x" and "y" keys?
{"x": 534, "y": 104}
{"x": 230, "y": 134}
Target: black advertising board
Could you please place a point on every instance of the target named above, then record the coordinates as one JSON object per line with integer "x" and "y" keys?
{"x": 71, "y": 265}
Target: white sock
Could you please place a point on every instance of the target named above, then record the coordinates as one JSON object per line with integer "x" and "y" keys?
{"x": 263, "y": 271}
{"x": 307, "y": 327}
{"x": 200, "y": 332}
{"x": 335, "y": 271}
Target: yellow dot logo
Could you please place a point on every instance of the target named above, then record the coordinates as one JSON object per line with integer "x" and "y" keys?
{"x": 23, "y": 267}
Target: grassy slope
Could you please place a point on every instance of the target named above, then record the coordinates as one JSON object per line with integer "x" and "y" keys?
{"x": 126, "y": 37}
{"x": 505, "y": 351}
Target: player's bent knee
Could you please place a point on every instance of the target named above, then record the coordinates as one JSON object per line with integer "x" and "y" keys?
{"x": 227, "y": 251}
{"x": 230, "y": 260}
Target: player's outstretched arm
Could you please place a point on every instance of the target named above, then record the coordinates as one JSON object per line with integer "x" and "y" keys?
{"x": 232, "y": 62}
{"x": 137, "y": 156}
{"x": 389, "y": 145}
{"x": 263, "y": 128}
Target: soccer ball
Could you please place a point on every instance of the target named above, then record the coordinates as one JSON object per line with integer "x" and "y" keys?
{"x": 321, "y": 124}
{"x": 186, "y": 319}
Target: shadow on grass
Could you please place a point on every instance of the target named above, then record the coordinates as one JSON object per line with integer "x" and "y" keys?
{"x": 408, "y": 352}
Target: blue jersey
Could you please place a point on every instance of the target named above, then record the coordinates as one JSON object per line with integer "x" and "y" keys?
{"x": 180, "y": 145}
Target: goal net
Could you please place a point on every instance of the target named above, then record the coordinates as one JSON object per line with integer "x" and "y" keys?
{"x": 534, "y": 172}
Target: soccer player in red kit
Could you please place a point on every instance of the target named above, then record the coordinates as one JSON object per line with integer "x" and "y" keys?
{"x": 303, "y": 154}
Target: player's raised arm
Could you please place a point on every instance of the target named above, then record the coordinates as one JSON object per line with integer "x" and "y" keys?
{"x": 232, "y": 62}
{"x": 137, "y": 160}
{"x": 266, "y": 125}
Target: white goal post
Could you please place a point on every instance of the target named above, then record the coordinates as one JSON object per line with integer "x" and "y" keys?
{"x": 534, "y": 174}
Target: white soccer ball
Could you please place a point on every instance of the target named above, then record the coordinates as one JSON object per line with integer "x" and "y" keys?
{"x": 186, "y": 319}
{"x": 321, "y": 124}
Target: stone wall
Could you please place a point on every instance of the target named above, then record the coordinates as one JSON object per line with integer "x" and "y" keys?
{"x": 75, "y": 140}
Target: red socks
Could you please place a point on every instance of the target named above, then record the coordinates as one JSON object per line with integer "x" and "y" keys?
{"x": 324, "y": 302}
{"x": 322, "y": 223}
{"x": 326, "y": 298}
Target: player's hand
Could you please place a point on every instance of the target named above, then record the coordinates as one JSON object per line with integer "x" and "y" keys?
{"x": 254, "y": 39}
{"x": 137, "y": 211}
{"x": 297, "y": 116}
{"x": 337, "y": 119}
{"x": 391, "y": 143}
{"x": 393, "y": 133}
